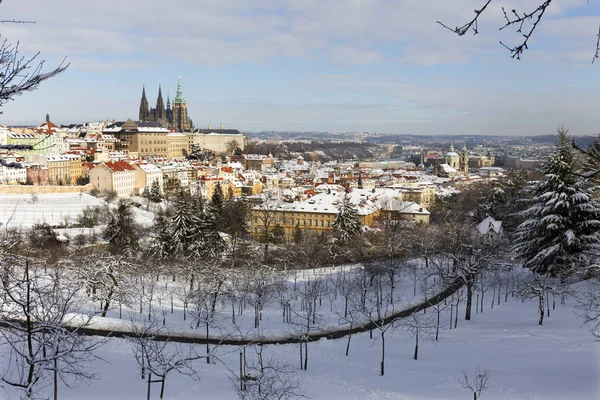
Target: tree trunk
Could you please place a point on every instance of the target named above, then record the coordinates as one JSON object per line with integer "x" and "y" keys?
{"x": 149, "y": 383}
{"x": 416, "y": 344}
{"x": 437, "y": 326}
{"x": 382, "y": 353}
{"x": 162, "y": 387}
{"x": 541, "y": 306}
{"x": 348, "y": 343}
{"x": 55, "y": 373}
{"x": 301, "y": 366}
{"x": 305, "y": 355}
{"x": 207, "y": 346}
{"x": 469, "y": 300}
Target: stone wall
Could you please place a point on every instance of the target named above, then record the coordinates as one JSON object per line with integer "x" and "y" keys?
{"x": 30, "y": 189}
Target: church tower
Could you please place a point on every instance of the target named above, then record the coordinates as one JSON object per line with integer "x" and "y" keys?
{"x": 169, "y": 112}
{"x": 160, "y": 107}
{"x": 180, "y": 121}
{"x": 144, "y": 109}
{"x": 464, "y": 160}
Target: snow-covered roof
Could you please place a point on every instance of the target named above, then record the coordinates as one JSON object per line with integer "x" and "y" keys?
{"x": 490, "y": 225}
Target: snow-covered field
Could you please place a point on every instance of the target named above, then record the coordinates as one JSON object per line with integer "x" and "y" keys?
{"x": 559, "y": 360}
{"x": 25, "y": 210}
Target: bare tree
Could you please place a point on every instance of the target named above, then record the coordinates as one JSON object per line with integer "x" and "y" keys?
{"x": 479, "y": 383}
{"x": 308, "y": 319}
{"x": 525, "y": 23}
{"x": 40, "y": 327}
{"x": 420, "y": 326}
{"x": 589, "y": 306}
{"x": 159, "y": 358}
{"x": 266, "y": 379}
{"x": 263, "y": 285}
{"x": 19, "y": 74}
{"x": 372, "y": 300}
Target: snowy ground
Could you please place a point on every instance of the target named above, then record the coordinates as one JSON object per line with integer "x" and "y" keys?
{"x": 559, "y": 360}
{"x": 25, "y": 210}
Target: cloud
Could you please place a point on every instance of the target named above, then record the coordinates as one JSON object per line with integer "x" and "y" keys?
{"x": 380, "y": 65}
{"x": 216, "y": 32}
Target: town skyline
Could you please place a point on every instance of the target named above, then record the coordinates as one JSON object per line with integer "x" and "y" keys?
{"x": 260, "y": 66}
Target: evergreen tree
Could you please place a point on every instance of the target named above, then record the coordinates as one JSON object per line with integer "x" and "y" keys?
{"x": 562, "y": 223}
{"x": 122, "y": 230}
{"x": 155, "y": 194}
{"x": 278, "y": 234}
{"x": 592, "y": 166}
{"x": 183, "y": 226}
{"x": 163, "y": 243}
{"x": 347, "y": 223}
{"x": 297, "y": 234}
{"x": 218, "y": 199}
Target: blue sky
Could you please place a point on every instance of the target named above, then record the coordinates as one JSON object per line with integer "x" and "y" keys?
{"x": 313, "y": 65}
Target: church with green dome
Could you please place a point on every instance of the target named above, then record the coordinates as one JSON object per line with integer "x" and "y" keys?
{"x": 173, "y": 117}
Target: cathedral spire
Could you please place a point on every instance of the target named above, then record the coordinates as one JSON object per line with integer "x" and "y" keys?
{"x": 160, "y": 106}
{"x": 179, "y": 97}
{"x": 144, "y": 109}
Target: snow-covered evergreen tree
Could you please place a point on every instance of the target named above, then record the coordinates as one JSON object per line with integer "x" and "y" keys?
{"x": 183, "y": 226}
{"x": 347, "y": 223}
{"x": 121, "y": 233}
{"x": 155, "y": 192}
{"x": 162, "y": 244}
{"x": 562, "y": 223}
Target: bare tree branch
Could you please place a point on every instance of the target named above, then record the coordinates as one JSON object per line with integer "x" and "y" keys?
{"x": 597, "y": 54}
{"x": 527, "y": 21}
{"x": 469, "y": 25}
{"x": 19, "y": 74}
{"x": 519, "y": 20}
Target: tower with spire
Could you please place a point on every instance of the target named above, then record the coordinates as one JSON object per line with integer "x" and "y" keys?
{"x": 159, "y": 111}
{"x": 180, "y": 121}
{"x": 169, "y": 112}
{"x": 144, "y": 108}
{"x": 464, "y": 160}
{"x": 173, "y": 116}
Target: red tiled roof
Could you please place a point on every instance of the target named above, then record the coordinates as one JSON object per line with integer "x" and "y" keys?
{"x": 119, "y": 166}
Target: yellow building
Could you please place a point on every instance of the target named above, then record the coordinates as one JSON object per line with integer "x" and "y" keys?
{"x": 59, "y": 167}
{"x": 422, "y": 193}
{"x": 143, "y": 138}
{"x": 209, "y": 184}
{"x": 76, "y": 168}
{"x": 317, "y": 214}
{"x": 178, "y": 144}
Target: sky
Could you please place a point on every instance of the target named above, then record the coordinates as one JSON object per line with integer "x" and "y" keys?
{"x": 313, "y": 65}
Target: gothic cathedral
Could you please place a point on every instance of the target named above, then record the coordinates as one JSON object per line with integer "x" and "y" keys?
{"x": 175, "y": 117}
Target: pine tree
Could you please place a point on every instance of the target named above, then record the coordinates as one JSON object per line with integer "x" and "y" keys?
{"x": 155, "y": 194}
{"x": 297, "y": 234}
{"x": 163, "y": 243}
{"x": 122, "y": 230}
{"x": 183, "y": 225}
{"x": 218, "y": 199}
{"x": 347, "y": 224}
{"x": 562, "y": 223}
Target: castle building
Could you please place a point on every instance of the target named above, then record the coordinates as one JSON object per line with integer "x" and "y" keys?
{"x": 173, "y": 116}
{"x": 452, "y": 158}
{"x": 464, "y": 160}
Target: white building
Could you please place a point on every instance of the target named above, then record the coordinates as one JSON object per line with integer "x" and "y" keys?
{"x": 116, "y": 176}
{"x": 145, "y": 176}
{"x": 12, "y": 173}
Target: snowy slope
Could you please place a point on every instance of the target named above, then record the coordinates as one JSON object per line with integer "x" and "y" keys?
{"x": 559, "y": 360}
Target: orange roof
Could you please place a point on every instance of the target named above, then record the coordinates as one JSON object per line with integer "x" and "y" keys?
{"x": 119, "y": 166}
